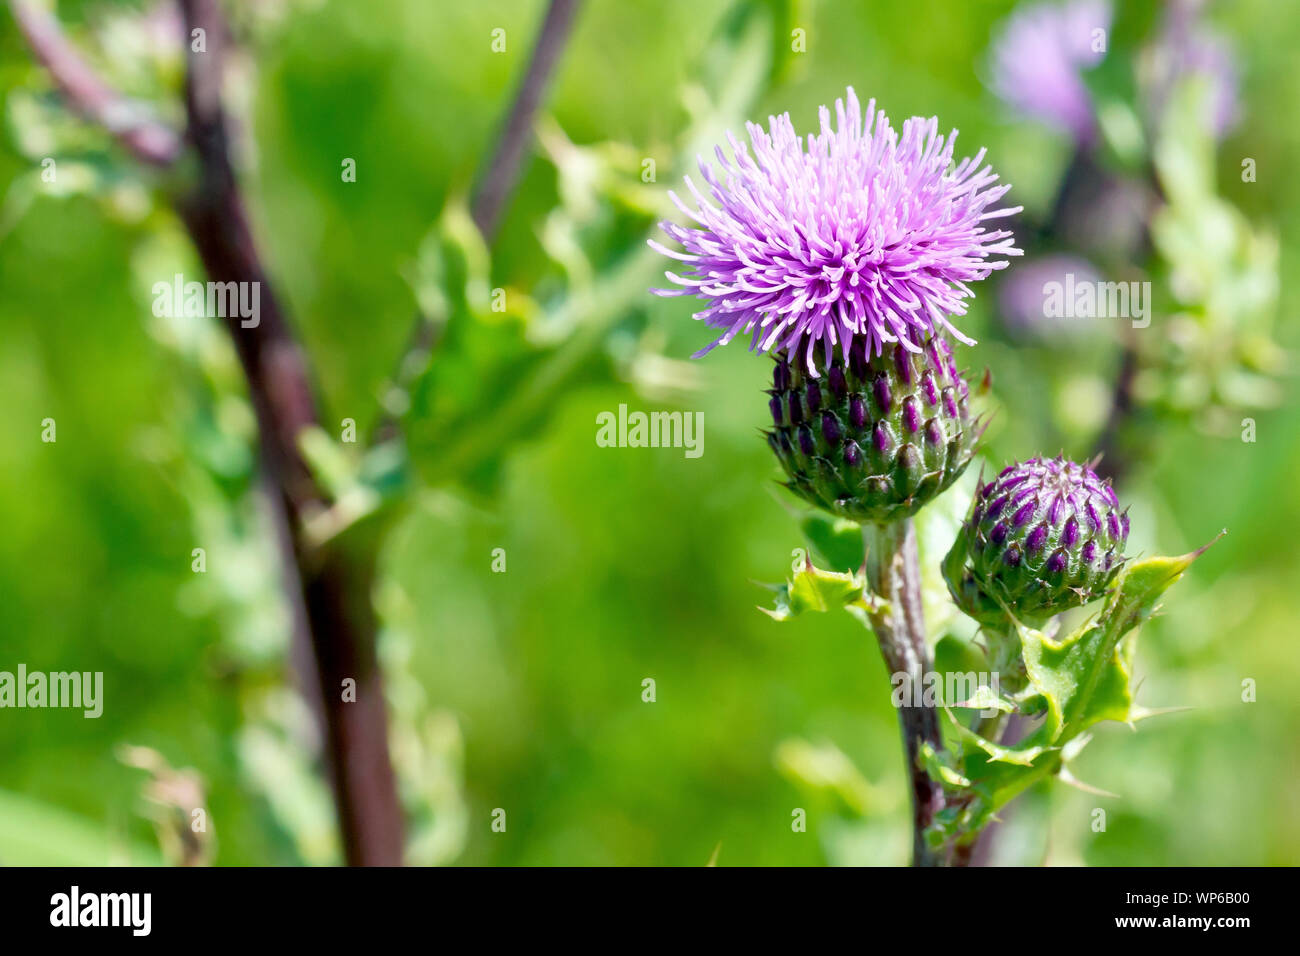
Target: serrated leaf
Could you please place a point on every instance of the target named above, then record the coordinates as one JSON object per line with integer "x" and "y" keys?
{"x": 997, "y": 782}
{"x": 938, "y": 768}
{"x": 986, "y": 698}
{"x": 1085, "y": 677}
{"x": 1021, "y": 755}
{"x": 1081, "y": 679}
{"x": 813, "y": 589}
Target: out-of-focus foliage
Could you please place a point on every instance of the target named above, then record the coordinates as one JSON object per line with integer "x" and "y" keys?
{"x": 524, "y": 690}
{"x": 1219, "y": 355}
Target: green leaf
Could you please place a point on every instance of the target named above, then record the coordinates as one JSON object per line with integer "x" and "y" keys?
{"x": 813, "y": 589}
{"x": 986, "y": 698}
{"x": 940, "y": 769}
{"x": 825, "y": 767}
{"x": 1023, "y": 754}
{"x": 996, "y": 782}
{"x": 1085, "y": 677}
{"x": 1121, "y": 130}
{"x": 1184, "y": 153}
{"x": 33, "y": 833}
{"x": 837, "y": 540}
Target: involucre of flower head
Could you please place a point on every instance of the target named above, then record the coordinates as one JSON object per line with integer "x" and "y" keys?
{"x": 1044, "y": 536}
{"x": 857, "y": 235}
{"x": 876, "y": 438}
{"x": 1038, "y": 58}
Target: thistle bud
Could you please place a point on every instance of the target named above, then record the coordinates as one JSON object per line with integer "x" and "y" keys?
{"x": 891, "y": 431}
{"x": 1042, "y": 537}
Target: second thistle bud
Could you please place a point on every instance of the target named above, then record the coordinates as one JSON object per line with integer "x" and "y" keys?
{"x": 1044, "y": 536}
{"x": 874, "y": 438}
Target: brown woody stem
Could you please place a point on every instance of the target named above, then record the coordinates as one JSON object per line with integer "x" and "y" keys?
{"x": 328, "y": 586}
{"x": 330, "y": 583}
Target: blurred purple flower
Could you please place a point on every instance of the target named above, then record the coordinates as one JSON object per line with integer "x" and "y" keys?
{"x": 862, "y": 234}
{"x": 1210, "y": 56}
{"x": 1038, "y": 58}
{"x": 1187, "y": 48}
{"x": 1023, "y": 296}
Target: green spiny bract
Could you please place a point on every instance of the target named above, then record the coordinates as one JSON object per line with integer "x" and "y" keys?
{"x": 875, "y": 438}
{"x": 1044, "y": 536}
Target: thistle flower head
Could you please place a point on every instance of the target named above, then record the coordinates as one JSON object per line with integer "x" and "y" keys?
{"x": 1038, "y": 58}
{"x": 1043, "y": 536}
{"x": 856, "y": 236}
{"x": 1189, "y": 48}
{"x": 1024, "y": 294}
{"x": 1210, "y": 57}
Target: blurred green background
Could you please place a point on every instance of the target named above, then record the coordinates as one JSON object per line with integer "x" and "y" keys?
{"x": 623, "y": 564}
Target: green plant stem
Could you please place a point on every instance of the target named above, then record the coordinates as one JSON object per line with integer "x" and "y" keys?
{"x": 893, "y": 575}
{"x": 1005, "y": 661}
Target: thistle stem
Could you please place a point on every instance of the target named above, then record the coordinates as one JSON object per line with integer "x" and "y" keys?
{"x": 893, "y": 575}
{"x": 1114, "y": 462}
{"x": 502, "y": 173}
{"x": 327, "y": 589}
{"x": 496, "y": 184}
{"x": 133, "y": 124}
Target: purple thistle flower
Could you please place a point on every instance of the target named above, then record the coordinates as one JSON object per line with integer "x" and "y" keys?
{"x": 1188, "y": 48}
{"x": 1038, "y": 59}
{"x": 1211, "y": 57}
{"x": 858, "y": 236}
{"x": 1023, "y": 297}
